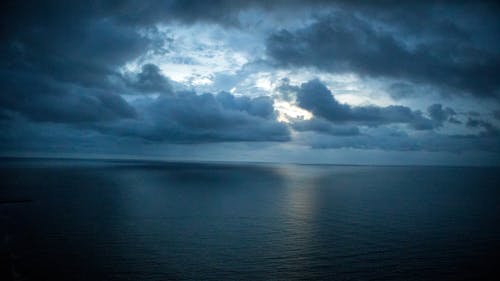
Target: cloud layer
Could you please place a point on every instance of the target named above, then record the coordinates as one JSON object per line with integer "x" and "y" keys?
{"x": 451, "y": 58}
{"x": 315, "y": 97}
{"x": 187, "y": 117}
{"x": 365, "y": 73}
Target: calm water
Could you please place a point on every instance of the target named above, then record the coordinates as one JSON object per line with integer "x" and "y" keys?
{"x": 105, "y": 220}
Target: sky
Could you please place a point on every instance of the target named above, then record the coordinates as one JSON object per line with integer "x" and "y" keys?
{"x": 338, "y": 82}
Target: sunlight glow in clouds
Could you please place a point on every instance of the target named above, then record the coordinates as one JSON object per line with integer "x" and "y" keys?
{"x": 288, "y": 111}
{"x": 197, "y": 53}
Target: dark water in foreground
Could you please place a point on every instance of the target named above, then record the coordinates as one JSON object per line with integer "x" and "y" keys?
{"x": 105, "y": 220}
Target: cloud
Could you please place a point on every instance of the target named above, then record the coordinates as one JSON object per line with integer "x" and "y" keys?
{"x": 488, "y": 128}
{"x": 394, "y": 140}
{"x": 55, "y": 13}
{"x": 42, "y": 99}
{"x": 59, "y": 61}
{"x": 151, "y": 12}
{"x": 315, "y": 97}
{"x": 173, "y": 117}
{"x": 324, "y": 127}
{"x": 63, "y": 77}
{"x": 186, "y": 117}
{"x": 83, "y": 52}
{"x": 439, "y": 114}
{"x": 149, "y": 80}
{"x": 452, "y": 59}
{"x": 496, "y": 114}
{"x": 401, "y": 90}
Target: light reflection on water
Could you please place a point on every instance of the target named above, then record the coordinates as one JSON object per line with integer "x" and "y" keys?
{"x": 157, "y": 221}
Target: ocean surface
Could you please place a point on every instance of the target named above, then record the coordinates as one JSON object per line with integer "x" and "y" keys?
{"x": 140, "y": 220}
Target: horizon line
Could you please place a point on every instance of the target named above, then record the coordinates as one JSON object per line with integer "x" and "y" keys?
{"x": 118, "y": 158}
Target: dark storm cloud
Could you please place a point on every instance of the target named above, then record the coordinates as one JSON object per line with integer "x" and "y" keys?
{"x": 180, "y": 117}
{"x": 496, "y": 114}
{"x": 260, "y": 106}
{"x": 434, "y": 49}
{"x": 439, "y": 115}
{"x": 324, "y": 127}
{"x": 85, "y": 52}
{"x": 317, "y": 98}
{"x": 58, "y": 59}
{"x": 150, "y": 12}
{"x": 18, "y": 15}
{"x": 60, "y": 75}
{"x": 80, "y": 45}
{"x": 149, "y": 80}
{"x": 43, "y": 99}
{"x": 488, "y": 128}
{"x": 60, "y": 63}
{"x": 334, "y": 125}
{"x": 187, "y": 117}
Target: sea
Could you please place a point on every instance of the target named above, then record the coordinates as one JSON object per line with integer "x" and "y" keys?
{"x": 68, "y": 219}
